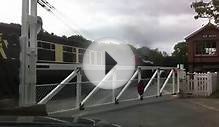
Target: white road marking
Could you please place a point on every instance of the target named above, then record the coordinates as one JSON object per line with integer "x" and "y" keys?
{"x": 205, "y": 106}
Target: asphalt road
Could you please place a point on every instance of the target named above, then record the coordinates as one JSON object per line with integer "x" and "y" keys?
{"x": 168, "y": 113}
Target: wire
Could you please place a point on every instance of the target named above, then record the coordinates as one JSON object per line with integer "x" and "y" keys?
{"x": 56, "y": 13}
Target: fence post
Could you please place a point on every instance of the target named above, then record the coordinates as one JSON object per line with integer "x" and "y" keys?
{"x": 186, "y": 87}
{"x": 114, "y": 84}
{"x": 178, "y": 80}
{"x": 215, "y": 81}
{"x": 78, "y": 89}
{"x": 158, "y": 82}
{"x": 195, "y": 84}
{"x": 173, "y": 82}
{"x": 209, "y": 83}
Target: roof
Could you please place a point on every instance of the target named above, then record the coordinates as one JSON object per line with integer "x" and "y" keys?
{"x": 209, "y": 25}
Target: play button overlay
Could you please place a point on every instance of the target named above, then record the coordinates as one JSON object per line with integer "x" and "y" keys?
{"x": 108, "y": 63}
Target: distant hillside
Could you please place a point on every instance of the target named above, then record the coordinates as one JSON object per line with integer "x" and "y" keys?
{"x": 75, "y": 40}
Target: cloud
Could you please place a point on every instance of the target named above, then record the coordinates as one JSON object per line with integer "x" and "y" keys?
{"x": 156, "y": 24}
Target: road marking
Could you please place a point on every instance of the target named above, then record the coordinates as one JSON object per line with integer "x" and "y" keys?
{"x": 206, "y": 106}
{"x": 62, "y": 110}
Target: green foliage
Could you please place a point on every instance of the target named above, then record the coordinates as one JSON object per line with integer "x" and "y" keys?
{"x": 154, "y": 55}
{"x": 79, "y": 41}
{"x": 206, "y": 10}
{"x": 180, "y": 52}
{"x": 159, "y": 58}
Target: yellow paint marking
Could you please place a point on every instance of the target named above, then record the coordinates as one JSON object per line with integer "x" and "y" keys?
{"x": 6, "y": 43}
{"x": 58, "y": 53}
{"x": 2, "y": 52}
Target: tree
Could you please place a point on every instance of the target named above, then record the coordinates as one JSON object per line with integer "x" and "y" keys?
{"x": 156, "y": 56}
{"x": 180, "y": 53}
{"x": 143, "y": 52}
{"x": 208, "y": 10}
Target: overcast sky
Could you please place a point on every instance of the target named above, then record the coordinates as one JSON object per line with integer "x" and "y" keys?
{"x": 155, "y": 23}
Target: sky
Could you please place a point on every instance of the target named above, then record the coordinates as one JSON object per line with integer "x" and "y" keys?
{"x": 155, "y": 23}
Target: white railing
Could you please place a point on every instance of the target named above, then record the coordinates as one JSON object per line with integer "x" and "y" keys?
{"x": 201, "y": 84}
{"x": 164, "y": 81}
{"x": 158, "y": 70}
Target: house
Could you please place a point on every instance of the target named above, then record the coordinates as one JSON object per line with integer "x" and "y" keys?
{"x": 203, "y": 49}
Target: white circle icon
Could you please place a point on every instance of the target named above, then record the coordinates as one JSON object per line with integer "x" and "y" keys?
{"x": 108, "y": 63}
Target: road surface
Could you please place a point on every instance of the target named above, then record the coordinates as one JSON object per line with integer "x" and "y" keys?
{"x": 169, "y": 113}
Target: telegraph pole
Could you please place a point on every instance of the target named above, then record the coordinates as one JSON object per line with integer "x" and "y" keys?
{"x": 28, "y": 53}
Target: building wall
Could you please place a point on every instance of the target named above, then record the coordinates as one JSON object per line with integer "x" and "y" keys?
{"x": 203, "y": 62}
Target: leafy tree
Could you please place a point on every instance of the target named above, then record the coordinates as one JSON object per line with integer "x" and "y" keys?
{"x": 143, "y": 52}
{"x": 79, "y": 41}
{"x": 156, "y": 56}
{"x": 208, "y": 10}
{"x": 180, "y": 53}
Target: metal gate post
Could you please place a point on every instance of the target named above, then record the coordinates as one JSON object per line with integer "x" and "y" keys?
{"x": 139, "y": 79}
{"x": 178, "y": 80}
{"x": 78, "y": 89}
{"x": 158, "y": 82}
{"x": 114, "y": 81}
{"x": 139, "y": 75}
{"x": 173, "y": 82}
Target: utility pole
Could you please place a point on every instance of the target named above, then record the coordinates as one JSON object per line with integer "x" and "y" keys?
{"x": 28, "y": 53}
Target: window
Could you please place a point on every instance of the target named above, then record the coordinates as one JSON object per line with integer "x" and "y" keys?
{"x": 44, "y": 45}
{"x": 67, "y": 49}
{"x": 206, "y": 48}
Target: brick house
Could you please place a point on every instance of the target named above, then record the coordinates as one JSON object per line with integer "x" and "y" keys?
{"x": 203, "y": 49}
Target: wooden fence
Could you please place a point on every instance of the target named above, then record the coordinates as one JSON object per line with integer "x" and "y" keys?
{"x": 200, "y": 84}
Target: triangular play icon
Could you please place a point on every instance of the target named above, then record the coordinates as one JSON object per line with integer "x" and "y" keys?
{"x": 109, "y": 63}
